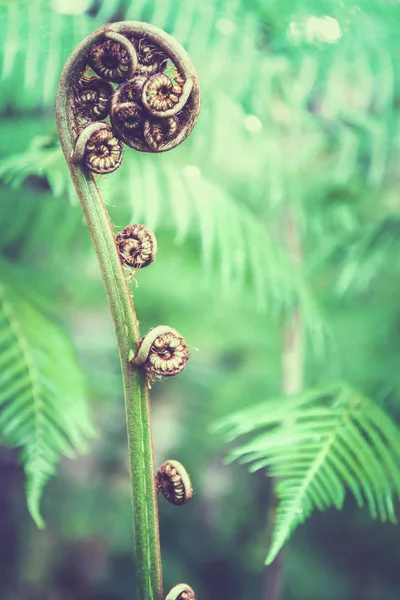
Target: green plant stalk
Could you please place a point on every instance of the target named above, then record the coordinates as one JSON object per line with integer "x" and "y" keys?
{"x": 144, "y": 502}
{"x": 292, "y": 383}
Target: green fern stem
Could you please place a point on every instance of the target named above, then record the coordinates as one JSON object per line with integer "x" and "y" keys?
{"x": 144, "y": 504}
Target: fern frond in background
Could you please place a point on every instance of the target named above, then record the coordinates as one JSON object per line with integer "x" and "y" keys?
{"x": 234, "y": 241}
{"x": 319, "y": 445}
{"x": 42, "y": 394}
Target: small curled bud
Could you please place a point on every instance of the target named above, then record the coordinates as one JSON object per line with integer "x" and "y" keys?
{"x": 174, "y": 482}
{"x": 160, "y": 93}
{"x": 182, "y": 591}
{"x": 163, "y": 352}
{"x": 137, "y": 246}
{"x": 160, "y": 133}
{"x": 113, "y": 59}
{"x": 103, "y": 153}
{"x": 165, "y": 96}
{"x": 128, "y": 116}
{"x": 93, "y": 98}
{"x": 98, "y": 148}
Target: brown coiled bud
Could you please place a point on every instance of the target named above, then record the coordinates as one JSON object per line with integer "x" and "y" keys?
{"x": 93, "y": 98}
{"x": 111, "y": 60}
{"x": 161, "y": 93}
{"x": 129, "y": 117}
{"x": 137, "y": 246}
{"x": 132, "y": 89}
{"x": 159, "y": 133}
{"x": 103, "y": 152}
{"x": 182, "y": 591}
{"x": 174, "y": 483}
{"x": 163, "y": 353}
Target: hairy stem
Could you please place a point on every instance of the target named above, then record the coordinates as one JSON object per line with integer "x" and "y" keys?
{"x": 144, "y": 504}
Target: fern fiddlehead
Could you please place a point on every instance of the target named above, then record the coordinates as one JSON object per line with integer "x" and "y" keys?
{"x": 98, "y": 148}
{"x": 93, "y": 98}
{"x": 174, "y": 483}
{"x": 114, "y": 58}
{"x": 137, "y": 246}
{"x": 162, "y": 352}
{"x": 154, "y": 109}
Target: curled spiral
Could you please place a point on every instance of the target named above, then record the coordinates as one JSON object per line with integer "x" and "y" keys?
{"x": 156, "y": 103}
{"x": 163, "y": 353}
{"x": 98, "y": 148}
{"x": 174, "y": 483}
{"x": 163, "y": 85}
{"x": 128, "y": 116}
{"x": 114, "y": 59}
{"x": 161, "y": 93}
{"x": 93, "y": 98}
{"x": 137, "y": 246}
{"x": 182, "y": 591}
{"x": 160, "y": 133}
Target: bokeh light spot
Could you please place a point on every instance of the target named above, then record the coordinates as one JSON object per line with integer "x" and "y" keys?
{"x": 192, "y": 172}
{"x": 225, "y": 26}
{"x": 252, "y": 123}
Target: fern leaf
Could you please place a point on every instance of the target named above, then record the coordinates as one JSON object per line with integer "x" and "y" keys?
{"x": 180, "y": 194}
{"x": 319, "y": 445}
{"x": 42, "y": 401}
{"x": 371, "y": 252}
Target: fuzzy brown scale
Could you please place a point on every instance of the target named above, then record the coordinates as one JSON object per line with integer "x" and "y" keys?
{"x": 110, "y": 60}
{"x": 103, "y": 152}
{"x": 137, "y": 246}
{"x": 167, "y": 357}
{"x": 174, "y": 483}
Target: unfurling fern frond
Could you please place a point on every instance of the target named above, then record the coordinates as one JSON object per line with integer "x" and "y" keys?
{"x": 318, "y": 445}
{"x": 42, "y": 399}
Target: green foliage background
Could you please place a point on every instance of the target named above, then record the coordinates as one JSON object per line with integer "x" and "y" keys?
{"x": 300, "y": 117}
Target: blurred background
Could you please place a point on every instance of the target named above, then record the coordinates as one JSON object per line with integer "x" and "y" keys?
{"x": 283, "y": 202}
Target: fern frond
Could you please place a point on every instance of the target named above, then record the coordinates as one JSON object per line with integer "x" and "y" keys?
{"x": 45, "y": 220}
{"x": 320, "y": 444}
{"x": 42, "y": 159}
{"x": 43, "y": 408}
{"x": 234, "y": 241}
{"x": 373, "y": 252}
{"x": 237, "y": 245}
{"x": 34, "y": 44}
